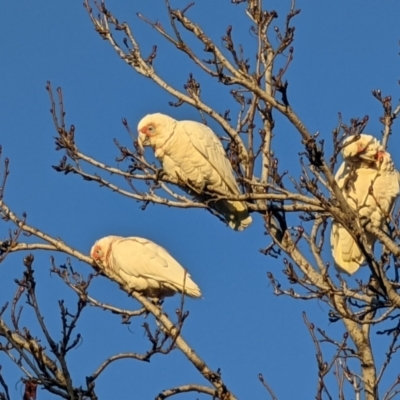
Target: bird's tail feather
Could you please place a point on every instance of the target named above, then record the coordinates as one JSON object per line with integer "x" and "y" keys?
{"x": 235, "y": 214}
{"x": 190, "y": 289}
{"x": 193, "y": 292}
{"x": 346, "y": 253}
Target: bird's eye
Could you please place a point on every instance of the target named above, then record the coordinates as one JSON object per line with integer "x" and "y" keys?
{"x": 97, "y": 253}
{"x": 150, "y": 128}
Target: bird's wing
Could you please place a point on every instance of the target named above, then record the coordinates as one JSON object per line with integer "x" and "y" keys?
{"x": 341, "y": 175}
{"x": 140, "y": 257}
{"x": 209, "y": 146}
{"x": 394, "y": 185}
{"x": 345, "y": 251}
{"x": 387, "y": 188}
{"x": 355, "y": 184}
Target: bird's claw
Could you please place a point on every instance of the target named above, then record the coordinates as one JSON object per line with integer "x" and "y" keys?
{"x": 160, "y": 173}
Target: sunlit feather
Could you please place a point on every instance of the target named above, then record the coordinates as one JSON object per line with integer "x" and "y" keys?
{"x": 190, "y": 152}
{"x": 144, "y": 265}
{"x": 365, "y": 164}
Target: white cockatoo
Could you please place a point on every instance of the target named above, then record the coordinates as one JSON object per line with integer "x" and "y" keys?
{"x": 144, "y": 265}
{"x": 192, "y": 153}
{"x": 365, "y": 164}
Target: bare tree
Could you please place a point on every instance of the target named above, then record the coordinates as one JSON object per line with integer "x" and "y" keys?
{"x": 296, "y": 213}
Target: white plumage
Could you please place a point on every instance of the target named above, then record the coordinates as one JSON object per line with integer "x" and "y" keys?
{"x": 144, "y": 265}
{"x": 192, "y": 153}
{"x": 365, "y": 163}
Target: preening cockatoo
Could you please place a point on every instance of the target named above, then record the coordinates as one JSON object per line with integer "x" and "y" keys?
{"x": 192, "y": 153}
{"x": 365, "y": 163}
{"x": 144, "y": 265}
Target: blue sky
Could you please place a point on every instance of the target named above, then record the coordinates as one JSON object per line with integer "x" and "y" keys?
{"x": 343, "y": 50}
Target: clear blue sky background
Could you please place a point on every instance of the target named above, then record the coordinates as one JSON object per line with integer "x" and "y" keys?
{"x": 343, "y": 50}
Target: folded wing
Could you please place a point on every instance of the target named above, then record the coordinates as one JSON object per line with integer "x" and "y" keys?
{"x": 148, "y": 267}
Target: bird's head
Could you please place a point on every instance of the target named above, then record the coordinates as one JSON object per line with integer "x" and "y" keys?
{"x": 100, "y": 251}
{"x": 364, "y": 149}
{"x": 154, "y": 127}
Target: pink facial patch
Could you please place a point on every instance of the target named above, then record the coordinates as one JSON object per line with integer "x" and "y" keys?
{"x": 145, "y": 130}
{"x": 379, "y": 155}
{"x": 95, "y": 253}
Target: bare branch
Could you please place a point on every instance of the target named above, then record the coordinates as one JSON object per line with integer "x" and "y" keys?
{"x": 185, "y": 389}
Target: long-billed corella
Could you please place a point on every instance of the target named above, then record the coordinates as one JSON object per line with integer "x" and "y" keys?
{"x": 365, "y": 165}
{"x": 144, "y": 266}
{"x": 190, "y": 152}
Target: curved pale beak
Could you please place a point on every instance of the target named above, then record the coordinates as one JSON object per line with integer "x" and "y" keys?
{"x": 372, "y": 156}
{"x": 143, "y": 140}
{"x": 368, "y": 156}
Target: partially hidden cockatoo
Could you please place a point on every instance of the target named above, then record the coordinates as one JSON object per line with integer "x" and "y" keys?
{"x": 365, "y": 163}
{"x": 145, "y": 266}
{"x": 190, "y": 152}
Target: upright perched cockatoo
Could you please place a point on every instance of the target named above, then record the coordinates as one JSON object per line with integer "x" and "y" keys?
{"x": 144, "y": 265}
{"x": 365, "y": 163}
{"x": 192, "y": 153}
